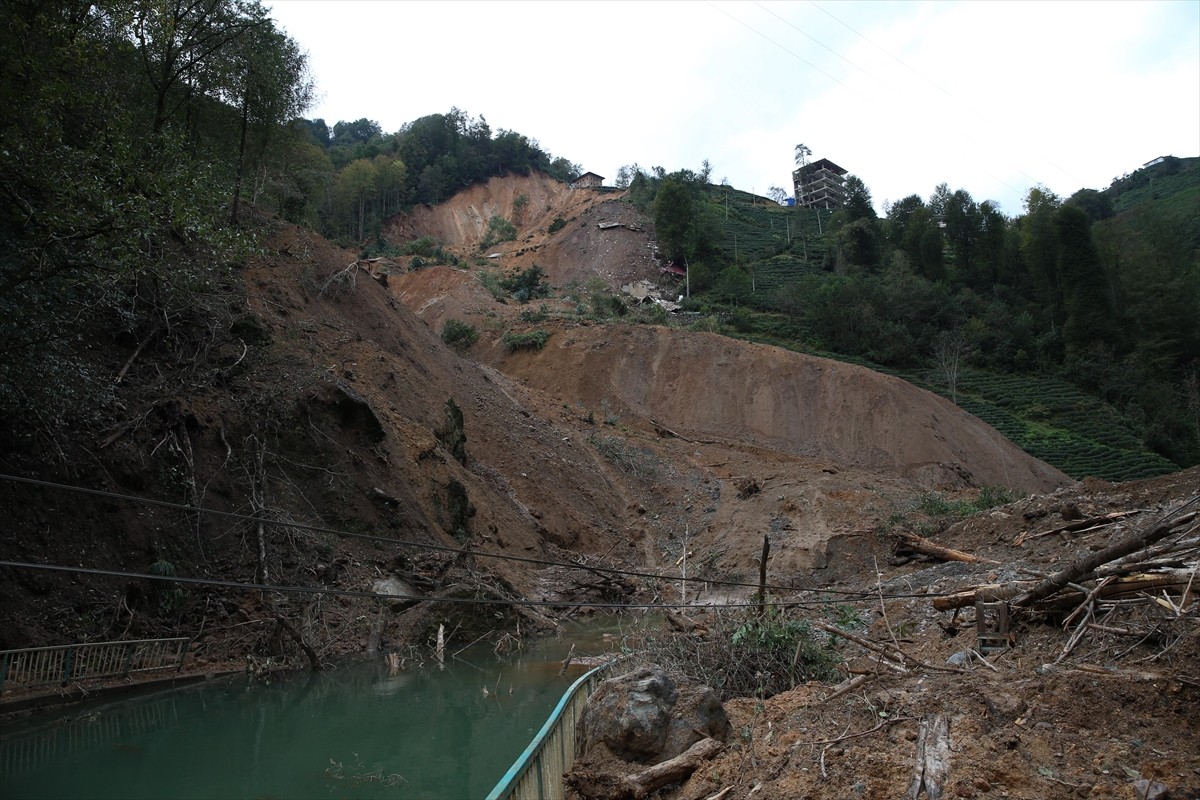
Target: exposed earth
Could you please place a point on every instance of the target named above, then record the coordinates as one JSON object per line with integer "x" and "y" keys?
{"x": 322, "y": 399}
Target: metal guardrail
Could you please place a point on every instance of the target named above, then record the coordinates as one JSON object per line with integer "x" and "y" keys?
{"x": 538, "y": 773}
{"x": 36, "y": 666}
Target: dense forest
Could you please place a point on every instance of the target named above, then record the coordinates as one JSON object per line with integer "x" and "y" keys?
{"x": 136, "y": 135}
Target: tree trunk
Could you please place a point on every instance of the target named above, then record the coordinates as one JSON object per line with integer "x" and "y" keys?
{"x": 241, "y": 160}
{"x": 672, "y": 770}
{"x": 1086, "y": 565}
{"x": 919, "y": 544}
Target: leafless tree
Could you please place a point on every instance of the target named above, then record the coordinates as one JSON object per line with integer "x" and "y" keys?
{"x": 948, "y": 351}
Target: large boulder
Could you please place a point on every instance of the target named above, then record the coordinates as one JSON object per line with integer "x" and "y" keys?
{"x": 644, "y": 717}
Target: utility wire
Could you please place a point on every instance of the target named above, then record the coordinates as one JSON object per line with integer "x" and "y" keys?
{"x": 491, "y": 601}
{"x": 438, "y": 547}
{"x": 932, "y": 83}
{"x": 873, "y": 102}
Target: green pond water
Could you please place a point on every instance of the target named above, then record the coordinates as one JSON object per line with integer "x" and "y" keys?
{"x": 354, "y": 732}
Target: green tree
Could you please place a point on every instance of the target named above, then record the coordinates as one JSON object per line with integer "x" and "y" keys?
{"x": 1039, "y": 250}
{"x": 268, "y": 81}
{"x": 356, "y": 184}
{"x": 962, "y": 230}
{"x": 858, "y": 203}
{"x": 184, "y": 46}
{"x": 104, "y": 232}
{"x": 674, "y": 220}
{"x": 732, "y": 285}
{"x": 1088, "y": 306}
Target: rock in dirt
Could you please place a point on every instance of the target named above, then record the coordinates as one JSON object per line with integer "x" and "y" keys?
{"x": 644, "y": 717}
{"x": 1149, "y": 790}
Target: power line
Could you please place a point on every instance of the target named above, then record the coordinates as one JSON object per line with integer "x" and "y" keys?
{"x": 492, "y": 601}
{"x": 935, "y": 85}
{"x": 429, "y": 546}
{"x": 852, "y": 89}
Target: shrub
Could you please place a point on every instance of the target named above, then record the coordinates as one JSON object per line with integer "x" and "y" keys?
{"x": 498, "y": 230}
{"x": 424, "y": 246}
{"x": 490, "y": 279}
{"x": 452, "y": 435}
{"x": 557, "y": 225}
{"x": 608, "y": 305}
{"x": 170, "y": 595}
{"x": 540, "y": 315}
{"x": 655, "y": 315}
{"x": 747, "y": 654}
{"x": 636, "y": 462}
{"x": 459, "y": 335}
{"x": 527, "y": 284}
{"x": 529, "y": 340}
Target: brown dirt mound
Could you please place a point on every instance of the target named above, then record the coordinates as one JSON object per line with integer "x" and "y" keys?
{"x": 709, "y": 386}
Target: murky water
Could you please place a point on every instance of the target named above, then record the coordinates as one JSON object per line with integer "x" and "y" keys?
{"x": 356, "y": 732}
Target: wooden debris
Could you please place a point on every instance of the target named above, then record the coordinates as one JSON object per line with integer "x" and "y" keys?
{"x": 314, "y": 661}
{"x": 1128, "y": 584}
{"x": 919, "y": 544}
{"x": 673, "y": 770}
{"x": 566, "y": 662}
{"x": 848, "y": 686}
{"x": 893, "y": 656}
{"x": 932, "y": 766}
{"x": 1078, "y": 526}
{"x": 1089, "y": 563}
{"x": 680, "y": 623}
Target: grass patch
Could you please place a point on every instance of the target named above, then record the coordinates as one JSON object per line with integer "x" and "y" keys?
{"x": 636, "y": 462}
{"x": 527, "y": 340}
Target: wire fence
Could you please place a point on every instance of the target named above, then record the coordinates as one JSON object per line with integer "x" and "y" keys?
{"x": 62, "y": 664}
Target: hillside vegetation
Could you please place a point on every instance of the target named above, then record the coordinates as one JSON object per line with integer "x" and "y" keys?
{"x": 1095, "y": 298}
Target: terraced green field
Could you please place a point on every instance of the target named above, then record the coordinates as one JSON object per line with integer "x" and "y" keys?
{"x": 756, "y": 231}
{"x": 1052, "y": 420}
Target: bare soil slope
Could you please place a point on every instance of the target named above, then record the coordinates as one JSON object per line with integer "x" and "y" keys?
{"x": 575, "y": 253}
{"x": 711, "y": 386}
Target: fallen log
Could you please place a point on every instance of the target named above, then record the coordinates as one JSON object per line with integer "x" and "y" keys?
{"x": 314, "y": 661}
{"x": 1007, "y": 591}
{"x": 847, "y": 686}
{"x": 932, "y": 766}
{"x": 679, "y": 622}
{"x": 891, "y": 655}
{"x": 919, "y": 544}
{"x": 673, "y": 770}
{"x": 1084, "y": 524}
{"x": 988, "y": 592}
{"x": 1086, "y": 565}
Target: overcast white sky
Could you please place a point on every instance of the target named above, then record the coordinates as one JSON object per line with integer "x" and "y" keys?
{"x": 992, "y": 97}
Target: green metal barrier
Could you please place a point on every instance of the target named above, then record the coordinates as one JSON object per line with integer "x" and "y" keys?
{"x": 62, "y": 664}
{"x": 538, "y": 773}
